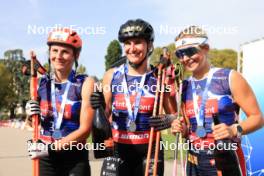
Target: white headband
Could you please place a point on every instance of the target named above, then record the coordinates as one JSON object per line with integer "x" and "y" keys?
{"x": 191, "y": 41}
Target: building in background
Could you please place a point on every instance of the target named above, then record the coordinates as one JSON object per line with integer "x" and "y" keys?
{"x": 16, "y": 54}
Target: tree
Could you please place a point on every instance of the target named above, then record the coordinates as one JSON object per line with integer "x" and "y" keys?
{"x": 18, "y": 85}
{"x": 5, "y": 80}
{"x": 226, "y": 58}
{"x": 114, "y": 53}
{"x": 155, "y": 57}
{"x": 81, "y": 69}
{"x": 16, "y": 54}
{"x": 46, "y": 66}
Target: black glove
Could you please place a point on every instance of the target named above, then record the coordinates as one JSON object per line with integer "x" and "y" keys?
{"x": 154, "y": 70}
{"x": 97, "y": 99}
{"x": 161, "y": 122}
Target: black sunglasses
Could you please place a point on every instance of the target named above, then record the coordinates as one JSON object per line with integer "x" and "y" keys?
{"x": 189, "y": 52}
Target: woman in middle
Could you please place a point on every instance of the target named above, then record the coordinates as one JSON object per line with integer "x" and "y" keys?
{"x": 130, "y": 103}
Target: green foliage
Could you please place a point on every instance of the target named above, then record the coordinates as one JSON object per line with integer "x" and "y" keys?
{"x": 5, "y": 80}
{"x": 226, "y": 58}
{"x": 46, "y": 66}
{"x": 81, "y": 69}
{"x": 114, "y": 53}
{"x": 169, "y": 141}
{"x": 155, "y": 57}
{"x": 16, "y": 54}
{"x": 4, "y": 116}
{"x": 18, "y": 85}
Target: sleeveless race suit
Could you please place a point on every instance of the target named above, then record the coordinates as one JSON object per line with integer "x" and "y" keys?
{"x": 131, "y": 147}
{"x": 220, "y": 102}
{"x": 70, "y": 162}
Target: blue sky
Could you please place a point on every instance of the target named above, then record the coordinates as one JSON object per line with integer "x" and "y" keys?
{"x": 229, "y": 23}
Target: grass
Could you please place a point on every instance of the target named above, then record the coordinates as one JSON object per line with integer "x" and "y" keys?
{"x": 89, "y": 139}
{"x": 169, "y": 146}
{"x": 168, "y": 141}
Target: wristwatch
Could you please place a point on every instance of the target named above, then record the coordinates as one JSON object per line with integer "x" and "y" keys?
{"x": 239, "y": 131}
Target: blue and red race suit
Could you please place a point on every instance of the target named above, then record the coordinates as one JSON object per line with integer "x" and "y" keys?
{"x": 65, "y": 162}
{"x": 220, "y": 102}
{"x": 131, "y": 147}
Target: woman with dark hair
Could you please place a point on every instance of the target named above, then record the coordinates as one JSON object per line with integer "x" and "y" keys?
{"x": 130, "y": 102}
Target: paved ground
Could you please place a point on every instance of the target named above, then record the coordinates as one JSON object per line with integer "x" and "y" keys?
{"x": 14, "y": 160}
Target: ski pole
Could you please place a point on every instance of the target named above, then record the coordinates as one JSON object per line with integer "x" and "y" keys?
{"x": 154, "y": 113}
{"x": 177, "y": 135}
{"x": 35, "y": 68}
{"x": 33, "y": 95}
{"x": 178, "y": 82}
{"x": 164, "y": 61}
{"x": 160, "y": 112}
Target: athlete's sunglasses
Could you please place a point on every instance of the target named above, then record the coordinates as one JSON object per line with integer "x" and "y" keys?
{"x": 189, "y": 52}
